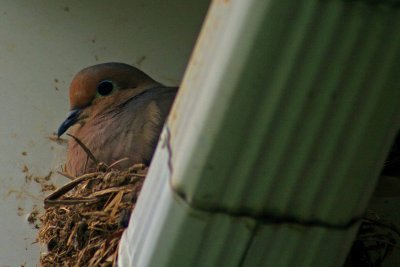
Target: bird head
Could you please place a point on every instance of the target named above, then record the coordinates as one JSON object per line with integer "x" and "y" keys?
{"x": 100, "y": 86}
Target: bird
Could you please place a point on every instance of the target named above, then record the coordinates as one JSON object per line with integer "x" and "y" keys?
{"x": 117, "y": 112}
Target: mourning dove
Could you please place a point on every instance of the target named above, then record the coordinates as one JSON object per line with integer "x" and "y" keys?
{"x": 116, "y": 111}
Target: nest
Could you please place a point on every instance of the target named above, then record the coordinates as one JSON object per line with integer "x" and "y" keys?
{"x": 376, "y": 240}
{"x": 84, "y": 219}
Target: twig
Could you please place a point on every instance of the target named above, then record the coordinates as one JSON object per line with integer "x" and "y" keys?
{"x": 379, "y": 222}
{"x": 117, "y": 162}
{"x": 125, "y": 188}
{"x": 381, "y": 241}
{"x": 67, "y": 187}
{"x": 72, "y": 201}
{"x": 66, "y": 175}
{"x": 85, "y": 148}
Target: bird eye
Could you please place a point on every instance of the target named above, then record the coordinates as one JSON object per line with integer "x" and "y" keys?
{"x": 105, "y": 87}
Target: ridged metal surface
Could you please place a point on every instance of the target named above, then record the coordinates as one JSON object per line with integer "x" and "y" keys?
{"x": 275, "y": 142}
{"x": 294, "y": 245}
{"x": 310, "y": 119}
{"x": 165, "y": 231}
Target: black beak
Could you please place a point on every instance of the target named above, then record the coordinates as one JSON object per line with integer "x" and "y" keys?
{"x": 71, "y": 120}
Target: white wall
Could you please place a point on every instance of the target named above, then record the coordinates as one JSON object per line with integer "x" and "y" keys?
{"x": 42, "y": 44}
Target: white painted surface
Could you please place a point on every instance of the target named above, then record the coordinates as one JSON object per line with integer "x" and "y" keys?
{"x": 42, "y": 44}
{"x": 242, "y": 142}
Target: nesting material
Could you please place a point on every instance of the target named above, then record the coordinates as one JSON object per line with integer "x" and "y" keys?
{"x": 84, "y": 219}
{"x": 376, "y": 240}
